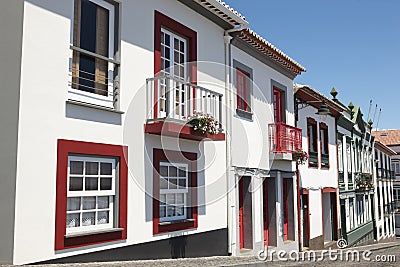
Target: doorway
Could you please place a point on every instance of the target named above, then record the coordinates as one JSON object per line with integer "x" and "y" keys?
{"x": 245, "y": 213}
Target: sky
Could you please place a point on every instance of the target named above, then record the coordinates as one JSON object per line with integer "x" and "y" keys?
{"x": 352, "y": 45}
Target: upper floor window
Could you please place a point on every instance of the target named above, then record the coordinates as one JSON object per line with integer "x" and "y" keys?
{"x": 243, "y": 91}
{"x": 323, "y": 133}
{"x": 340, "y": 155}
{"x": 348, "y": 156}
{"x": 396, "y": 167}
{"x": 278, "y": 102}
{"x": 173, "y": 54}
{"x": 94, "y": 40}
{"x": 312, "y": 142}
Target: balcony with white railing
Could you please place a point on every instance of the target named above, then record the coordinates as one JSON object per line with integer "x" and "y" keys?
{"x": 171, "y": 102}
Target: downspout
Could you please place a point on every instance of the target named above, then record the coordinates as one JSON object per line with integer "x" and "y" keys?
{"x": 230, "y": 178}
{"x": 299, "y": 235}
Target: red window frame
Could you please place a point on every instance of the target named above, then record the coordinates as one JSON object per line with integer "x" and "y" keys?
{"x": 65, "y": 148}
{"x": 324, "y": 146}
{"x": 242, "y": 102}
{"x": 182, "y": 157}
{"x": 278, "y": 104}
{"x": 313, "y": 123}
{"x": 163, "y": 21}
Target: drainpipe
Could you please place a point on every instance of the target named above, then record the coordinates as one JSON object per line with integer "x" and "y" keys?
{"x": 230, "y": 177}
{"x": 299, "y": 235}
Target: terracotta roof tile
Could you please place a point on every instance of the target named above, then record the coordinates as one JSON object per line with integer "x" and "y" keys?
{"x": 271, "y": 51}
{"x": 388, "y": 137}
{"x": 224, "y": 11}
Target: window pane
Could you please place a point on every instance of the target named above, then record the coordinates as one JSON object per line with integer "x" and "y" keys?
{"x": 105, "y": 168}
{"x": 173, "y": 183}
{"x": 105, "y": 184}
{"x": 182, "y": 172}
{"x": 75, "y": 183}
{"x": 182, "y": 183}
{"x": 92, "y": 168}
{"x": 162, "y": 212}
{"x": 171, "y": 199}
{"x": 179, "y": 211}
{"x": 73, "y": 220}
{"x": 167, "y": 39}
{"x": 163, "y": 184}
{"x": 88, "y": 26}
{"x": 102, "y": 217}
{"x": 164, "y": 171}
{"x": 170, "y": 211}
{"x": 180, "y": 198}
{"x": 88, "y": 218}
{"x": 89, "y": 203}
{"x": 103, "y": 202}
{"x": 162, "y": 199}
{"x": 74, "y": 203}
{"x": 172, "y": 171}
{"x": 91, "y": 183}
{"x": 76, "y": 167}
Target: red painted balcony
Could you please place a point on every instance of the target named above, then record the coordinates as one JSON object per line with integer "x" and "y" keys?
{"x": 284, "y": 138}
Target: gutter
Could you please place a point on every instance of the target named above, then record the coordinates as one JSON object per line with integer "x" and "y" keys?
{"x": 230, "y": 177}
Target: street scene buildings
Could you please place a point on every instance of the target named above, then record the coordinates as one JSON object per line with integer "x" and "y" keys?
{"x": 170, "y": 129}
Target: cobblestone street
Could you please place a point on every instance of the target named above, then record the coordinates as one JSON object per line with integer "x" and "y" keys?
{"x": 387, "y": 254}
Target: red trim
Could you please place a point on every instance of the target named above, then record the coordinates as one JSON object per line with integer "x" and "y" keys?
{"x": 66, "y": 147}
{"x": 162, "y": 21}
{"x": 241, "y": 211}
{"x": 242, "y": 102}
{"x": 176, "y": 156}
{"x": 324, "y": 128}
{"x": 312, "y": 122}
{"x": 278, "y": 105}
{"x": 305, "y": 191}
{"x": 329, "y": 190}
{"x": 178, "y": 130}
{"x": 286, "y": 210}
{"x": 265, "y": 204}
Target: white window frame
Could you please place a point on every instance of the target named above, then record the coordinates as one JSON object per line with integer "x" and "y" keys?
{"x": 93, "y": 193}
{"x": 88, "y": 97}
{"x": 184, "y": 191}
{"x": 173, "y": 85}
{"x": 340, "y": 156}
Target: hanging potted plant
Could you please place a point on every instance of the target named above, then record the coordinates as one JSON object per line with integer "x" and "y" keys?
{"x": 300, "y": 156}
{"x": 203, "y": 122}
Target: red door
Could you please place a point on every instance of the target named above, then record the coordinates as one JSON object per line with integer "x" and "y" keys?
{"x": 285, "y": 210}
{"x": 278, "y": 105}
{"x": 265, "y": 203}
{"x": 241, "y": 226}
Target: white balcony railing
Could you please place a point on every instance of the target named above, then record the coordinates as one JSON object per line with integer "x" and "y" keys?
{"x": 172, "y": 98}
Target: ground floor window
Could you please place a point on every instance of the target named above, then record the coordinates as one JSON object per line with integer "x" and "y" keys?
{"x": 91, "y": 196}
{"x": 174, "y": 191}
{"x": 91, "y": 193}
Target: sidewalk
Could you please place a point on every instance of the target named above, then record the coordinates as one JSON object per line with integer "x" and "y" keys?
{"x": 238, "y": 261}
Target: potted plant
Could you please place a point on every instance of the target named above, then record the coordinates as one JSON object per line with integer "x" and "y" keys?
{"x": 203, "y": 122}
{"x": 300, "y": 156}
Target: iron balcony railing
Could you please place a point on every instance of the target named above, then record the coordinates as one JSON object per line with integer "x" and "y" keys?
{"x": 172, "y": 98}
{"x": 284, "y": 138}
